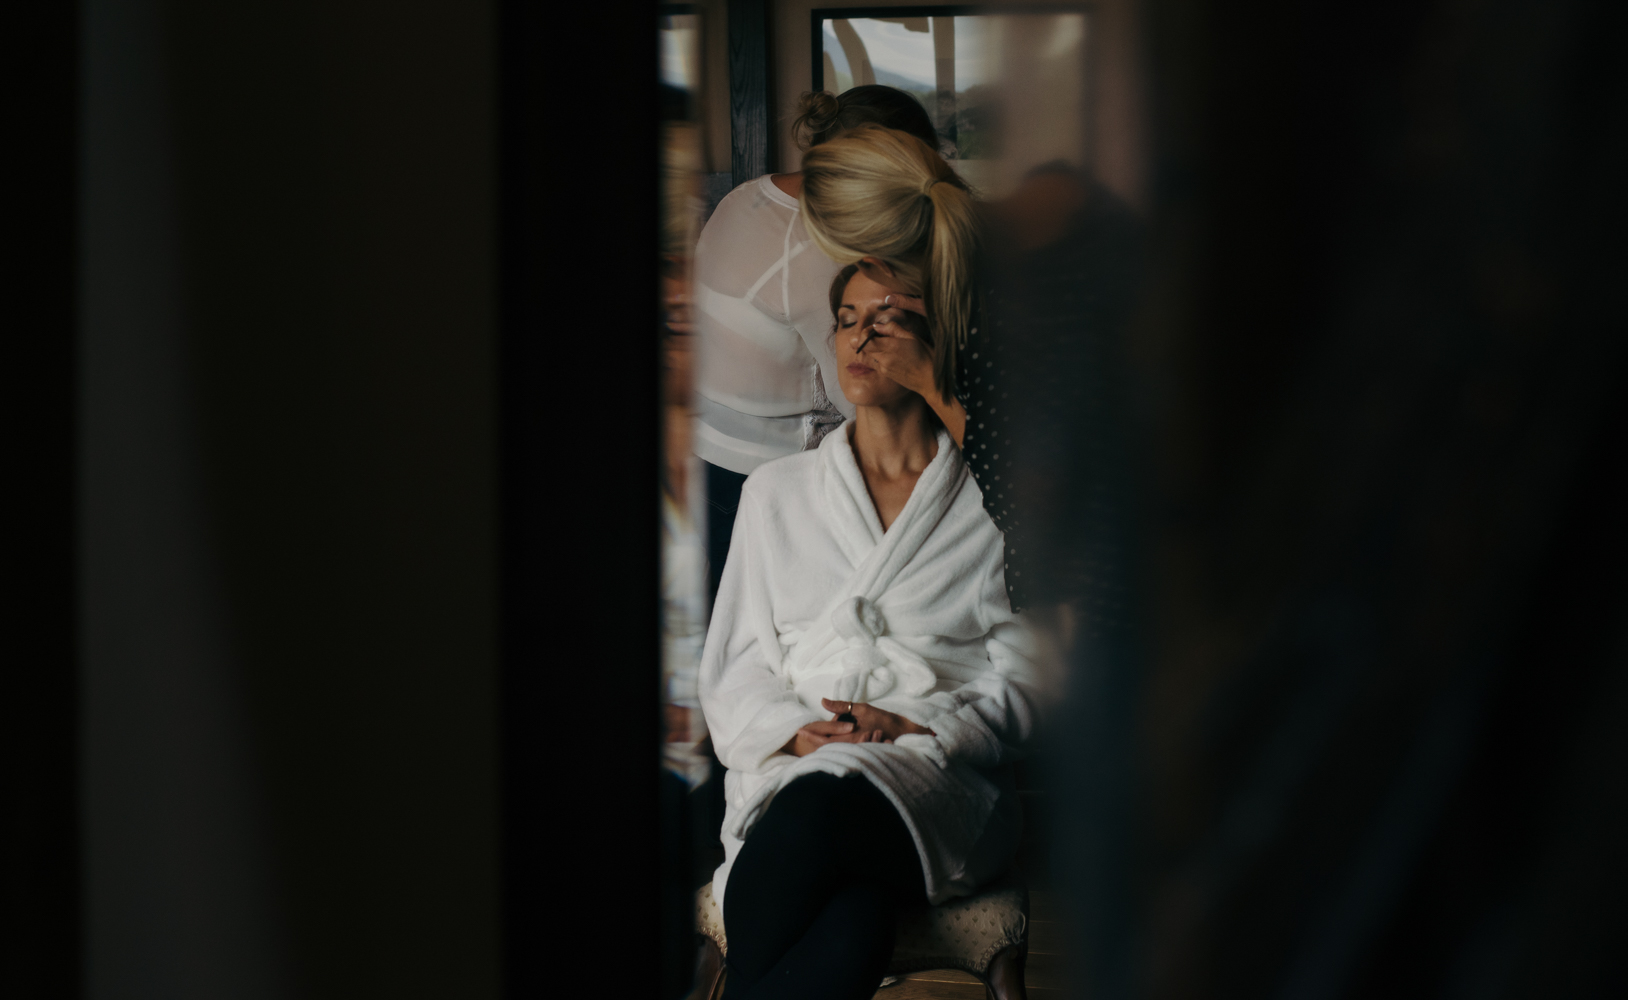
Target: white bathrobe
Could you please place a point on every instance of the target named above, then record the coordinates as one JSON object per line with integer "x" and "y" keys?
{"x": 818, "y": 601}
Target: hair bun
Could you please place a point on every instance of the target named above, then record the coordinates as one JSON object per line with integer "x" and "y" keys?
{"x": 818, "y": 109}
{"x": 817, "y": 114}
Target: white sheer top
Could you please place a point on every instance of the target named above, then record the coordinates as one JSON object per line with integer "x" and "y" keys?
{"x": 766, "y": 382}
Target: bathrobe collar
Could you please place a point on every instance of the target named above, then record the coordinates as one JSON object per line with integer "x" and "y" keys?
{"x": 847, "y": 651}
{"x": 860, "y": 528}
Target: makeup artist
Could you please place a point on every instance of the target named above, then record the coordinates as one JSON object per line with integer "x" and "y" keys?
{"x": 766, "y": 382}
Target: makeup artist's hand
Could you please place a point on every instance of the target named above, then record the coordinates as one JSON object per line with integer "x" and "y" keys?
{"x": 817, "y": 734}
{"x": 899, "y": 302}
{"x": 896, "y": 350}
{"x": 903, "y": 358}
{"x": 869, "y": 717}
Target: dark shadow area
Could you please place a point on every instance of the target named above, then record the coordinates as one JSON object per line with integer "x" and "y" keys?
{"x": 41, "y": 912}
{"x": 1385, "y": 565}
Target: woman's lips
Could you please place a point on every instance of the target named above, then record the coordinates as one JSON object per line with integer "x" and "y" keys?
{"x": 859, "y": 369}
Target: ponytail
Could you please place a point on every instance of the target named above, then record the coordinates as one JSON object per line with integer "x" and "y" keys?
{"x": 876, "y": 192}
{"x": 948, "y": 282}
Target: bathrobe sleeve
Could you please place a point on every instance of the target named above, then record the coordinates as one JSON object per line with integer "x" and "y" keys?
{"x": 989, "y": 720}
{"x": 750, "y": 707}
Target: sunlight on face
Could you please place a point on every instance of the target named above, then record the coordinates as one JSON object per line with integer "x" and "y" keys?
{"x": 862, "y": 302}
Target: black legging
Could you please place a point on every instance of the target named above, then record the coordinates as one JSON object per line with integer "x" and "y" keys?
{"x": 812, "y": 898}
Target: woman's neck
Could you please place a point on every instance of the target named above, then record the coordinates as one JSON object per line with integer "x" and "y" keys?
{"x": 791, "y": 184}
{"x": 893, "y": 445}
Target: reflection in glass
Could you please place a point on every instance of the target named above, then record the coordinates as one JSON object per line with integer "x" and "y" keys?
{"x": 683, "y": 547}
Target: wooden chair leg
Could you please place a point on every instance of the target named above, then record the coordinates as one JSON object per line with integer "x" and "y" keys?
{"x": 709, "y": 971}
{"x": 1004, "y": 978}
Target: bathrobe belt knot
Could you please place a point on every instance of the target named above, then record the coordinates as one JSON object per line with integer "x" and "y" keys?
{"x": 865, "y": 672}
{"x": 859, "y": 621}
{"x": 868, "y": 663}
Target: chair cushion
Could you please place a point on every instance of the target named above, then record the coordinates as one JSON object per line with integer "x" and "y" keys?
{"x": 965, "y": 933}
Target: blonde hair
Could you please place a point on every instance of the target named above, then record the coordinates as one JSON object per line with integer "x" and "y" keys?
{"x": 877, "y": 192}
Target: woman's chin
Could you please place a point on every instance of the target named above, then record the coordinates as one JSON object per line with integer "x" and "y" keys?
{"x": 859, "y": 391}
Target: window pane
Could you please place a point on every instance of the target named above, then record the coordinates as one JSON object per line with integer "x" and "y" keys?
{"x": 1006, "y": 92}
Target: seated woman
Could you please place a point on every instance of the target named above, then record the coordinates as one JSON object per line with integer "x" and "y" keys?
{"x": 866, "y": 685}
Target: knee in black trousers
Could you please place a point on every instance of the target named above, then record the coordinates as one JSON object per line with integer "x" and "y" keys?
{"x": 812, "y": 897}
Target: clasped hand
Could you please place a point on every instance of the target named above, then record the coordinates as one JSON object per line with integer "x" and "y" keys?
{"x": 870, "y": 725}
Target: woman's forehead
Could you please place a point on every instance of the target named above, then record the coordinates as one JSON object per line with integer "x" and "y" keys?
{"x": 862, "y": 289}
